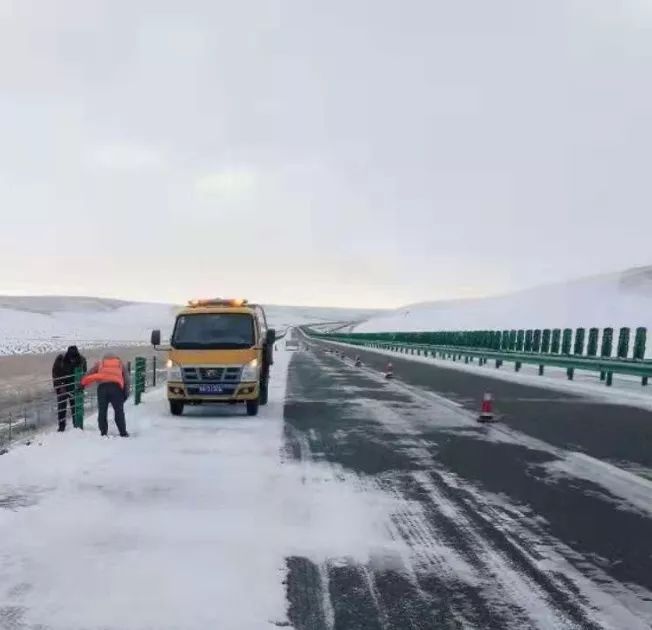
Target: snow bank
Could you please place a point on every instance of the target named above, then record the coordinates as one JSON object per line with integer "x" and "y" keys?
{"x": 619, "y": 299}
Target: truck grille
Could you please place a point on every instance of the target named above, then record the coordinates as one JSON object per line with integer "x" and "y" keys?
{"x": 218, "y": 374}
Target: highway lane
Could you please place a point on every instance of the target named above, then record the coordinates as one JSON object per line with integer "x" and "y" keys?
{"x": 613, "y": 432}
{"x": 501, "y": 526}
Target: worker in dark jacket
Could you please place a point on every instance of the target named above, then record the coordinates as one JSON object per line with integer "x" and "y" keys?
{"x": 113, "y": 389}
{"x": 74, "y": 360}
{"x": 63, "y": 381}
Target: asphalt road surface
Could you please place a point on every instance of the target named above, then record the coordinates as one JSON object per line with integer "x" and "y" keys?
{"x": 533, "y": 522}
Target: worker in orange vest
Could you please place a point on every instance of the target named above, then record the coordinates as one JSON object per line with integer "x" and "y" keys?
{"x": 113, "y": 389}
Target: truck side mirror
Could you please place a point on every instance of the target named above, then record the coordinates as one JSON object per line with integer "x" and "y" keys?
{"x": 271, "y": 336}
{"x": 156, "y": 337}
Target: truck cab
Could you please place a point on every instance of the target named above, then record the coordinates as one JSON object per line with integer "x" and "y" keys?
{"x": 220, "y": 351}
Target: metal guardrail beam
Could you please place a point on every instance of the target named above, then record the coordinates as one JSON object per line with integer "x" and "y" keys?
{"x": 607, "y": 367}
{"x": 537, "y": 340}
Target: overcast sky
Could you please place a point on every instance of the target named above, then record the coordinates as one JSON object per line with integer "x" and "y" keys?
{"x": 341, "y": 152}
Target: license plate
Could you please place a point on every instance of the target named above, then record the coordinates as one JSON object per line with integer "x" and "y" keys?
{"x": 211, "y": 389}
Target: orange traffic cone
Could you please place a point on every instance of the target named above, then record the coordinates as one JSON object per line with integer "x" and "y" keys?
{"x": 487, "y": 409}
{"x": 389, "y": 371}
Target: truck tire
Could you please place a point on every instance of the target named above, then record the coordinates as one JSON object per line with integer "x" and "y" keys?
{"x": 176, "y": 407}
{"x": 252, "y": 407}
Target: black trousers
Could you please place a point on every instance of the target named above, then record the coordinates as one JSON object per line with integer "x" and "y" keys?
{"x": 65, "y": 399}
{"x": 111, "y": 394}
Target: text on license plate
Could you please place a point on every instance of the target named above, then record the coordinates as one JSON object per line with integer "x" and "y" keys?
{"x": 211, "y": 389}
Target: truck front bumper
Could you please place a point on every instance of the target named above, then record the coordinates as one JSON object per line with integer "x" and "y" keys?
{"x": 230, "y": 393}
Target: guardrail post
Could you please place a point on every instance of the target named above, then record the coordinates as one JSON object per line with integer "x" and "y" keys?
{"x": 139, "y": 379}
{"x": 78, "y": 397}
{"x": 610, "y": 378}
{"x": 541, "y": 370}
{"x": 520, "y": 338}
{"x": 623, "y": 343}
{"x": 644, "y": 381}
{"x": 556, "y": 341}
{"x": 154, "y": 371}
{"x": 607, "y": 342}
{"x": 566, "y": 340}
{"x": 528, "y": 340}
{"x": 499, "y": 362}
{"x": 517, "y": 366}
{"x": 545, "y": 341}
{"x": 639, "y": 343}
{"x": 592, "y": 346}
{"x": 536, "y": 340}
{"x": 580, "y": 334}
{"x": 570, "y": 372}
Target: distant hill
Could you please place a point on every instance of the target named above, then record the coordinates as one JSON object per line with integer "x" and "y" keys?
{"x": 616, "y": 299}
{"x": 48, "y": 323}
{"x": 47, "y": 304}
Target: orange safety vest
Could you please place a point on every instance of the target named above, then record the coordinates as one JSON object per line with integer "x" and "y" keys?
{"x": 109, "y": 371}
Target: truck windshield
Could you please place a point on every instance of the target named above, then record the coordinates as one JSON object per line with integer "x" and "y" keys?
{"x": 213, "y": 331}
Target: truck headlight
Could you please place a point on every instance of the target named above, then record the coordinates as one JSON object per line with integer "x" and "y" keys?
{"x": 250, "y": 371}
{"x": 174, "y": 371}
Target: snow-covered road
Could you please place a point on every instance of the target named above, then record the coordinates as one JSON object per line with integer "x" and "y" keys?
{"x": 350, "y": 503}
{"x": 186, "y": 525}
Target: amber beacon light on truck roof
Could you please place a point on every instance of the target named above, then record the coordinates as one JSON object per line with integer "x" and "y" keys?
{"x": 217, "y": 302}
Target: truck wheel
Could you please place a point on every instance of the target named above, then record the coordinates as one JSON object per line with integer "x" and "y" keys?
{"x": 252, "y": 407}
{"x": 264, "y": 392}
{"x": 176, "y": 407}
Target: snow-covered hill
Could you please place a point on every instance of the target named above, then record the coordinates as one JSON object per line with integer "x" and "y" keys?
{"x": 48, "y": 323}
{"x": 617, "y": 299}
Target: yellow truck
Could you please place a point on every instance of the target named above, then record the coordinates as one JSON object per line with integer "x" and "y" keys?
{"x": 220, "y": 351}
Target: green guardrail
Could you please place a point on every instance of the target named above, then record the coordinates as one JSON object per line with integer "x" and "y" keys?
{"x": 78, "y": 414}
{"x": 605, "y": 365}
{"x": 140, "y": 380}
{"x": 543, "y": 341}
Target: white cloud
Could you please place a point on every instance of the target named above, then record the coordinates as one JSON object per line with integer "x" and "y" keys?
{"x": 228, "y": 184}
{"x": 127, "y": 156}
